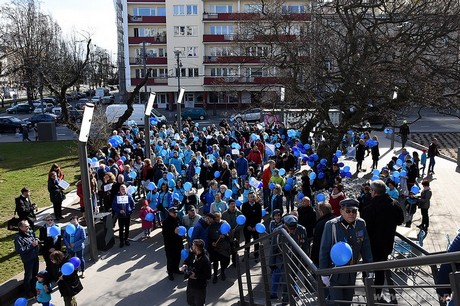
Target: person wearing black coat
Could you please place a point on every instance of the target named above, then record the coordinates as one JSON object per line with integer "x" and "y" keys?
{"x": 25, "y": 208}
{"x": 325, "y": 213}
{"x": 56, "y": 194}
{"x": 69, "y": 285}
{"x": 252, "y": 210}
{"x": 49, "y": 244}
{"x": 206, "y": 174}
{"x": 307, "y": 217}
{"x": 173, "y": 242}
{"x": 197, "y": 269}
{"x": 360, "y": 151}
{"x": 382, "y": 216}
{"x": 375, "y": 153}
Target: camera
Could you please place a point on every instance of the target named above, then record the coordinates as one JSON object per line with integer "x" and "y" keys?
{"x": 188, "y": 272}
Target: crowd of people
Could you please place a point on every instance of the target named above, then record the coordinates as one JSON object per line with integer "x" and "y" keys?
{"x": 201, "y": 179}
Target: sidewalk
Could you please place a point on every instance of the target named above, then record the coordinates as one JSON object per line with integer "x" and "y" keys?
{"x": 136, "y": 275}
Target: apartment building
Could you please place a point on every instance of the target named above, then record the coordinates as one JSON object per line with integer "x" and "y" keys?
{"x": 204, "y": 37}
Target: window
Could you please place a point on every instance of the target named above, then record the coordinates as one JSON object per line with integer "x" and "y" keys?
{"x": 192, "y": 51}
{"x": 219, "y": 30}
{"x": 257, "y": 51}
{"x": 161, "y": 11}
{"x": 252, "y": 8}
{"x": 293, "y": 9}
{"x": 217, "y": 9}
{"x": 223, "y": 72}
{"x": 220, "y": 51}
{"x": 139, "y": 73}
{"x": 163, "y": 73}
{"x": 192, "y": 10}
{"x": 178, "y": 10}
{"x": 185, "y": 31}
{"x": 144, "y": 11}
{"x": 193, "y": 72}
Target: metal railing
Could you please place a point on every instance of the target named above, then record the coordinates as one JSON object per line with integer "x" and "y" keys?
{"x": 411, "y": 269}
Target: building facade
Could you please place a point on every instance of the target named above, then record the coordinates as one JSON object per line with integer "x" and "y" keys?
{"x": 203, "y": 38}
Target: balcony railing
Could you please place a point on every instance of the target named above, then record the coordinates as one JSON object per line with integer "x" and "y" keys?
{"x": 231, "y": 59}
{"x": 150, "y": 40}
{"x": 240, "y": 80}
{"x": 149, "y": 60}
{"x": 150, "y": 81}
{"x": 253, "y": 16}
{"x": 146, "y": 19}
{"x": 218, "y": 37}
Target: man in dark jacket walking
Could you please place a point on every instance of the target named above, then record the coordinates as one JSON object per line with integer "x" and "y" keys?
{"x": 325, "y": 213}
{"x": 382, "y": 216}
{"x": 24, "y": 207}
{"x": 252, "y": 210}
{"x": 173, "y": 243}
{"x": 307, "y": 218}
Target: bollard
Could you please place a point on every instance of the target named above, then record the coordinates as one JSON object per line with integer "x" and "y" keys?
{"x": 458, "y": 156}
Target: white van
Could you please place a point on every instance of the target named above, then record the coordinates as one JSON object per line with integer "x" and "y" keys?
{"x": 114, "y": 111}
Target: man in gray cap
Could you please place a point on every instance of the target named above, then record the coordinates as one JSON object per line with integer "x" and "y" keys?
{"x": 352, "y": 230}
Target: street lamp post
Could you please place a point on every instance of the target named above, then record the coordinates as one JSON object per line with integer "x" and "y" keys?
{"x": 179, "y": 119}
{"x": 282, "y": 96}
{"x": 83, "y": 157}
{"x": 148, "y": 110}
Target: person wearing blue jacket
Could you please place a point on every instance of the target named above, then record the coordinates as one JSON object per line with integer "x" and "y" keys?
{"x": 352, "y": 230}
{"x": 200, "y": 230}
{"x": 443, "y": 274}
{"x": 165, "y": 201}
{"x": 75, "y": 243}
{"x": 123, "y": 207}
{"x": 241, "y": 166}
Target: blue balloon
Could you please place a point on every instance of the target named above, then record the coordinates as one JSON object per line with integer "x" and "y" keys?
{"x": 75, "y": 261}
{"x": 282, "y": 171}
{"x": 271, "y": 186}
{"x": 67, "y": 268}
{"x": 228, "y": 193}
{"x": 290, "y": 181}
{"x": 311, "y": 163}
{"x": 264, "y": 212}
{"x": 320, "y": 197}
{"x": 346, "y": 169}
{"x": 307, "y": 146}
{"x": 169, "y": 176}
{"x": 149, "y": 217}
{"x": 238, "y": 203}
{"x": 182, "y": 231}
{"x": 184, "y": 254}
{"x": 396, "y": 180}
{"x": 123, "y": 158}
{"x": 176, "y": 196}
{"x": 403, "y": 173}
{"x": 190, "y": 232}
{"x": 300, "y": 196}
{"x": 335, "y": 159}
{"x": 338, "y": 153}
{"x": 415, "y": 189}
{"x": 70, "y": 229}
{"x": 312, "y": 175}
{"x": 217, "y": 174}
{"x": 376, "y": 172}
{"x": 348, "y": 174}
{"x": 197, "y": 170}
{"x": 321, "y": 175}
{"x": 89, "y": 161}
{"x": 399, "y": 162}
{"x": 396, "y": 174}
{"x": 277, "y": 145}
{"x": 225, "y": 228}
{"x": 341, "y": 253}
{"x": 341, "y": 164}
{"x": 21, "y": 302}
{"x": 240, "y": 220}
{"x": 54, "y": 231}
{"x": 151, "y": 186}
{"x": 260, "y": 228}
{"x": 323, "y": 161}
{"x": 187, "y": 186}
{"x": 288, "y": 187}
{"x": 133, "y": 174}
{"x": 374, "y": 178}
{"x": 315, "y": 157}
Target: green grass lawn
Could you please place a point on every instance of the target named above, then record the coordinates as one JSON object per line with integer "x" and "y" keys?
{"x": 27, "y": 164}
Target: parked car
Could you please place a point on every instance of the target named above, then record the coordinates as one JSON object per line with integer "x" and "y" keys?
{"x": 248, "y": 115}
{"x": 74, "y": 115}
{"x": 194, "y": 113}
{"x": 20, "y": 108}
{"x": 96, "y": 100}
{"x": 47, "y": 108}
{"x": 10, "y": 124}
{"x": 57, "y": 110}
{"x": 108, "y": 100}
{"x": 81, "y": 103}
{"x": 42, "y": 118}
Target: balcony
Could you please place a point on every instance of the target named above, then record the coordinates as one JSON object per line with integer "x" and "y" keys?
{"x": 150, "y": 40}
{"x": 231, "y": 59}
{"x": 150, "y": 61}
{"x": 230, "y": 16}
{"x": 240, "y": 80}
{"x": 146, "y": 19}
{"x": 218, "y": 37}
{"x": 150, "y": 81}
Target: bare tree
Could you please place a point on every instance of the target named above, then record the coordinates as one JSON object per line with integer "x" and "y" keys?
{"x": 369, "y": 59}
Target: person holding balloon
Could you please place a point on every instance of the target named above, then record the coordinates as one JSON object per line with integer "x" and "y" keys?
{"x": 74, "y": 240}
{"x": 173, "y": 243}
{"x": 68, "y": 282}
{"x": 219, "y": 245}
{"x": 344, "y": 242}
{"x": 51, "y": 240}
{"x": 235, "y": 218}
{"x": 123, "y": 207}
{"x": 252, "y": 210}
{"x": 147, "y": 216}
